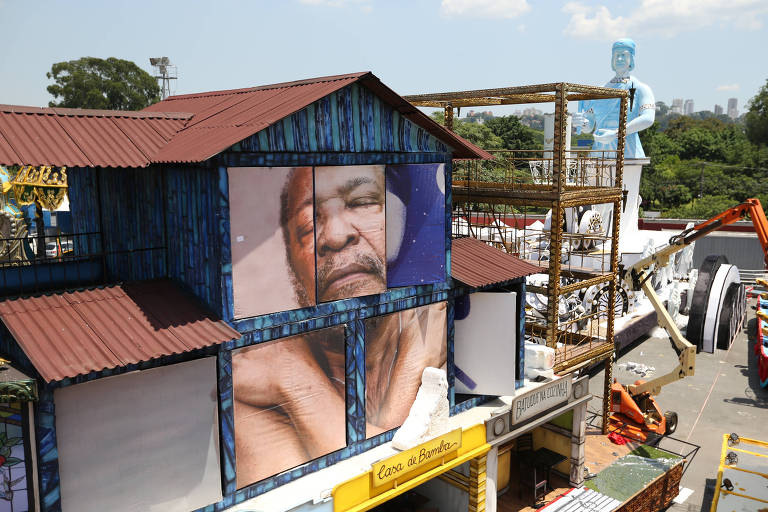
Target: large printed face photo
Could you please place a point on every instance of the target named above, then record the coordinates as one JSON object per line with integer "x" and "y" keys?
{"x": 272, "y": 239}
{"x": 289, "y": 402}
{"x": 351, "y": 235}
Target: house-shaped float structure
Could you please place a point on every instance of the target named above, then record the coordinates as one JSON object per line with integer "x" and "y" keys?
{"x": 258, "y": 279}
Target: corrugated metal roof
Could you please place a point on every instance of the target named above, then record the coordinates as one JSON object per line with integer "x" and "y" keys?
{"x": 476, "y": 264}
{"x": 239, "y": 114}
{"x": 74, "y": 333}
{"x": 181, "y": 129}
{"x": 223, "y": 118}
{"x": 83, "y": 138}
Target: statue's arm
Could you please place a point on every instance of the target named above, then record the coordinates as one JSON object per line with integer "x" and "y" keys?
{"x": 646, "y": 109}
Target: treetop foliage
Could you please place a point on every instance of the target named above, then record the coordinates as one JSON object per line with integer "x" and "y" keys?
{"x": 702, "y": 165}
{"x": 504, "y": 132}
{"x": 112, "y": 84}
{"x": 756, "y": 120}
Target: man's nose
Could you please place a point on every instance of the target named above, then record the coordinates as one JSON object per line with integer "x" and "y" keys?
{"x": 337, "y": 230}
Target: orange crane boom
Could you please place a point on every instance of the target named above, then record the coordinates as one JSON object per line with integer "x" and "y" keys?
{"x": 751, "y": 208}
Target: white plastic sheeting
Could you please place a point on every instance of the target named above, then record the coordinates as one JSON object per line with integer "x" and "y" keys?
{"x": 490, "y": 329}
{"x": 143, "y": 441}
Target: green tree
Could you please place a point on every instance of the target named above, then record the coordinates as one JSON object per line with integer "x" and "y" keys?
{"x": 112, "y": 84}
{"x": 756, "y": 119}
{"x": 704, "y": 208}
{"x": 513, "y": 133}
{"x": 478, "y": 134}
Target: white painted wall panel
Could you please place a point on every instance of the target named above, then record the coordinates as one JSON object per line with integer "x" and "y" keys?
{"x": 143, "y": 441}
{"x": 484, "y": 344}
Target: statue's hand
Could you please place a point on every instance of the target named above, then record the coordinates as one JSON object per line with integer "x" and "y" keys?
{"x": 605, "y": 135}
{"x": 581, "y": 122}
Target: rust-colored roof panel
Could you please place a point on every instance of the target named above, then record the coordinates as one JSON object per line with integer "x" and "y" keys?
{"x": 239, "y": 114}
{"x": 183, "y": 129}
{"x": 146, "y": 139}
{"x": 200, "y": 144}
{"x": 74, "y": 333}
{"x": 190, "y": 103}
{"x": 7, "y": 153}
{"x": 83, "y": 138}
{"x": 217, "y": 115}
{"x": 167, "y": 128}
{"x": 476, "y": 264}
{"x": 104, "y": 142}
{"x": 40, "y": 140}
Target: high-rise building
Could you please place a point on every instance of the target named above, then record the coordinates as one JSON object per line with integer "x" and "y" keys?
{"x": 733, "y": 109}
{"x": 677, "y": 106}
{"x": 688, "y": 107}
{"x": 718, "y": 110}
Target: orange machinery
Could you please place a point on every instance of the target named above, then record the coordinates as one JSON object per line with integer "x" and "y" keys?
{"x": 635, "y": 413}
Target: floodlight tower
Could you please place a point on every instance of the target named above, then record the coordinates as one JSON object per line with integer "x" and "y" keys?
{"x": 164, "y": 72}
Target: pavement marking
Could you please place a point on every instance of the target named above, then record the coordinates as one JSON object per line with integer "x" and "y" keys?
{"x": 683, "y": 495}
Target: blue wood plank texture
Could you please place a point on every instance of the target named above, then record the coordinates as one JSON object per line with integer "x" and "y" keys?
{"x": 193, "y": 225}
{"x": 132, "y": 212}
{"x": 355, "y": 381}
{"x": 226, "y": 422}
{"x": 47, "y": 452}
{"x": 351, "y": 120}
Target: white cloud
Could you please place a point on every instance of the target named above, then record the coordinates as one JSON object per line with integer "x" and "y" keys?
{"x": 663, "y": 18}
{"x": 729, "y": 87}
{"x": 485, "y": 8}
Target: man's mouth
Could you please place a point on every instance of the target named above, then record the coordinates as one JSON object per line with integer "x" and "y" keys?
{"x": 345, "y": 275}
{"x": 347, "y": 280}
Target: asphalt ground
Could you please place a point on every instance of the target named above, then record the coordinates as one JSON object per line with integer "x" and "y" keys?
{"x": 723, "y": 396}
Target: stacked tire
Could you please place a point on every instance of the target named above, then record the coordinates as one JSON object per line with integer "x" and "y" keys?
{"x": 718, "y": 305}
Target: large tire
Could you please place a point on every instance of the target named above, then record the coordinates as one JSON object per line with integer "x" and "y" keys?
{"x": 724, "y": 277}
{"x": 671, "y": 420}
{"x": 731, "y": 316}
{"x": 700, "y": 299}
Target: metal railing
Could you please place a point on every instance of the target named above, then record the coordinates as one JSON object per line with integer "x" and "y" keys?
{"x": 536, "y": 168}
{"x": 71, "y": 260}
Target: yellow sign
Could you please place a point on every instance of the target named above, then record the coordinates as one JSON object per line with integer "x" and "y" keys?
{"x": 417, "y": 457}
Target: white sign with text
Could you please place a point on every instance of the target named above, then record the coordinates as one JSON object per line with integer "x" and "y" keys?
{"x": 541, "y": 399}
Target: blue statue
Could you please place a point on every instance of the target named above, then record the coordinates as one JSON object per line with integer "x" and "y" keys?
{"x": 602, "y": 116}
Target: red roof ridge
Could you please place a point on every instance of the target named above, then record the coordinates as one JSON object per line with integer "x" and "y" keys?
{"x": 83, "y": 112}
{"x": 280, "y": 85}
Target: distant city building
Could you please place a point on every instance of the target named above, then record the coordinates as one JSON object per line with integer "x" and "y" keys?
{"x": 677, "y": 106}
{"x": 733, "y": 108}
{"x": 718, "y": 110}
{"x": 688, "y": 107}
{"x": 478, "y": 117}
{"x": 530, "y": 111}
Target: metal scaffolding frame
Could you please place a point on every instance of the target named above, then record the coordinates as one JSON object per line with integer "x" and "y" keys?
{"x": 557, "y": 191}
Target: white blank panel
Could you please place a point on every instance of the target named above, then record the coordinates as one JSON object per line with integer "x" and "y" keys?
{"x": 143, "y": 441}
{"x": 485, "y": 344}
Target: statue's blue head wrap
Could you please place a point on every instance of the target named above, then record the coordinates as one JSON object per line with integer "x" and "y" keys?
{"x": 629, "y": 45}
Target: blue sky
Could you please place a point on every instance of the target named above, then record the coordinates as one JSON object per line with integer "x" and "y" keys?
{"x": 708, "y": 50}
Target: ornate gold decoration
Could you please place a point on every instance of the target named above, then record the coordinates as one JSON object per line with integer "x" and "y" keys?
{"x": 24, "y": 390}
{"x": 45, "y": 185}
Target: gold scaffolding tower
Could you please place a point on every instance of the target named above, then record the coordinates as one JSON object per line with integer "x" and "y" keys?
{"x": 565, "y": 183}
